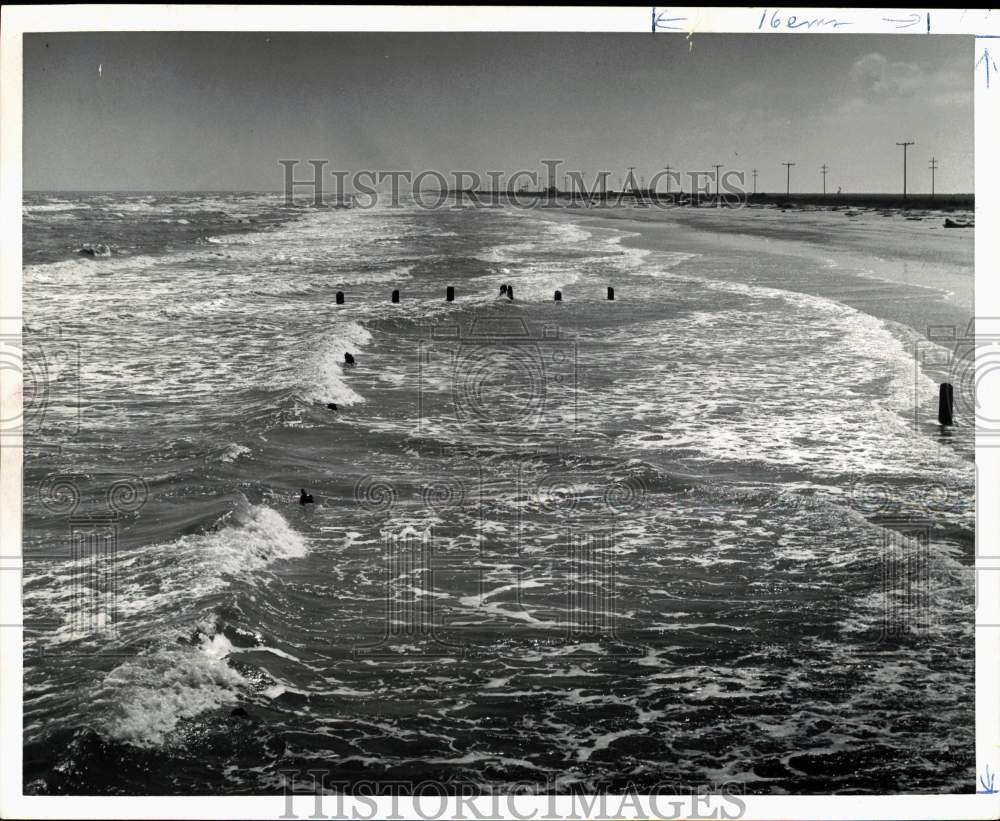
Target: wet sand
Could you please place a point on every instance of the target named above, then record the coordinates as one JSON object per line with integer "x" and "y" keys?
{"x": 916, "y": 273}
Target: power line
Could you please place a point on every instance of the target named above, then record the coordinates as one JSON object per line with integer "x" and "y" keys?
{"x": 788, "y": 178}
{"x": 905, "y": 146}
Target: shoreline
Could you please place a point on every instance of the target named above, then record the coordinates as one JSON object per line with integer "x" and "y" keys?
{"x": 890, "y": 281}
{"x": 554, "y": 198}
{"x": 913, "y": 301}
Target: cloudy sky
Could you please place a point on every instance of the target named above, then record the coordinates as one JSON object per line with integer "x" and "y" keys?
{"x": 189, "y": 111}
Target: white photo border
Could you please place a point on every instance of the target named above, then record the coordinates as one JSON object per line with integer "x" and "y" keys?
{"x": 983, "y": 28}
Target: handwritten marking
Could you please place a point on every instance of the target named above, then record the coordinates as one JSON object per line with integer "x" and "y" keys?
{"x": 987, "y": 782}
{"x": 794, "y": 22}
{"x": 988, "y": 62}
{"x": 905, "y": 22}
{"x": 659, "y": 21}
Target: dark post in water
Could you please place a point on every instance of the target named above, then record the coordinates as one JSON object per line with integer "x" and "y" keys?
{"x": 395, "y": 296}
{"x": 340, "y": 297}
{"x": 946, "y": 404}
{"x": 558, "y": 296}
{"x": 611, "y": 293}
{"x": 450, "y": 294}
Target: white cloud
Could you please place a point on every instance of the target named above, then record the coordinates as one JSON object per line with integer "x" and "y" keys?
{"x": 875, "y": 76}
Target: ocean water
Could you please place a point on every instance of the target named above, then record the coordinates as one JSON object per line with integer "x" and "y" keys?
{"x": 708, "y": 532}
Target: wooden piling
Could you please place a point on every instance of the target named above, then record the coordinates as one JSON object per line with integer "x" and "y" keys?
{"x": 946, "y": 404}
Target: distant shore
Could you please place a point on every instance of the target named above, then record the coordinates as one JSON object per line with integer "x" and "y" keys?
{"x": 639, "y": 199}
{"x": 940, "y": 202}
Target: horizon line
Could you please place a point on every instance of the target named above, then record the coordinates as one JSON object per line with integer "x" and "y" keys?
{"x": 480, "y": 191}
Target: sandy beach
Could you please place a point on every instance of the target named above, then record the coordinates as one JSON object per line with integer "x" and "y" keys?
{"x": 910, "y": 271}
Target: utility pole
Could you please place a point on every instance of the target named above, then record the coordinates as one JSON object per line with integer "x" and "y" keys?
{"x": 933, "y": 167}
{"x": 905, "y": 145}
{"x": 716, "y": 167}
{"x": 823, "y": 169}
{"x": 667, "y": 169}
{"x": 631, "y": 178}
{"x": 788, "y": 178}
{"x": 755, "y": 182}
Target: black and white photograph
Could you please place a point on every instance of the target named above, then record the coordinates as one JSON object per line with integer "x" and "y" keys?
{"x": 434, "y": 413}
